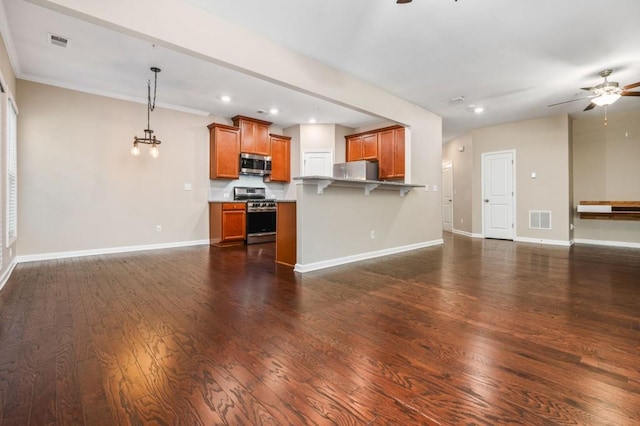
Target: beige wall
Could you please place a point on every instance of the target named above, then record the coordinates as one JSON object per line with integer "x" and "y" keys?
{"x": 541, "y": 146}
{"x": 462, "y": 165}
{"x": 81, "y": 189}
{"x": 606, "y": 167}
{"x": 6, "y": 69}
{"x": 8, "y": 253}
{"x": 248, "y": 53}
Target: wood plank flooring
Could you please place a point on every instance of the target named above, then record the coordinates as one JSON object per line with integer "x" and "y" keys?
{"x": 475, "y": 332}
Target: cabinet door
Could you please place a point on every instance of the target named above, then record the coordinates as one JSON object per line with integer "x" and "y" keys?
{"x": 370, "y": 146}
{"x": 248, "y": 137}
{"x": 224, "y": 152}
{"x": 233, "y": 225}
{"x": 387, "y": 155}
{"x": 354, "y": 148}
{"x": 261, "y": 141}
{"x": 398, "y": 153}
{"x": 280, "y": 159}
{"x": 391, "y": 153}
{"x": 254, "y": 135}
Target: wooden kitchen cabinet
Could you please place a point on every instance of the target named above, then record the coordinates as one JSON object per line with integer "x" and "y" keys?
{"x": 254, "y": 135}
{"x": 286, "y": 249}
{"x": 224, "y": 151}
{"x": 383, "y": 145}
{"x": 227, "y": 223}
{"x": 280, "y": 158}
{"x": 391, "y": 153}
{"x": 363, "y": 146}
{"x": 354, "y": 147}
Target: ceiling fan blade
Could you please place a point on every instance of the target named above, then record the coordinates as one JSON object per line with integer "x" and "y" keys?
{"x": 631, "y": 86}
{"x": 630, "y": 94}
{"x": 590, "y": 106}
{"x": 572, "y": 100}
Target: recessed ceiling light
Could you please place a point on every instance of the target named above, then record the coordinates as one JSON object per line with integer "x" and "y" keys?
{"x": 312, "y": 120}
{"x": 273, "y": 111}
{"x": 225, "y": 98}
{"x": 478, "y": 110}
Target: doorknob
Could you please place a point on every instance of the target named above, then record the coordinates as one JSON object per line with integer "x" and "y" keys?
{"x": 486, "y": 200}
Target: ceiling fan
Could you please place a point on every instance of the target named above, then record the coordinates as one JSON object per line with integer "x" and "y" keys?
{"x": 605, "y": 93}
{"x": 406, "y": 1}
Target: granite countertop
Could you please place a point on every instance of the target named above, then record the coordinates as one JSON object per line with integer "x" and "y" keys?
{"x": 228, "y": 200}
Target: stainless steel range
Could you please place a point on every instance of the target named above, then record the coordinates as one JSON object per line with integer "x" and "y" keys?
{"x": 261, "y": 214}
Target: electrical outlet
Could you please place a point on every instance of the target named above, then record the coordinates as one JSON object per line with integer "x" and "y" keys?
{"x": 373, "y": 235}
{"x": 187, "y": 187}
{"x": 225, "y": 195}
{"x": 426, "y": 188}
{"x": 158, "y": 228}
{"x": 461, "y": 220}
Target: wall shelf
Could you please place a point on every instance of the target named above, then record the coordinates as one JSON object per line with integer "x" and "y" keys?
{"x": 324, "y": 182}
{"x": 609, "y": 210}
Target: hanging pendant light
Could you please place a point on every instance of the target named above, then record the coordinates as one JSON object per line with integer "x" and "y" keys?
{"x": 149, "y": 138}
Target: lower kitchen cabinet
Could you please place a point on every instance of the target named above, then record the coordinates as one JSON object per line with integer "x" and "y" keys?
{"x": 227, "y": 223}
{"x": 286, "y": 250}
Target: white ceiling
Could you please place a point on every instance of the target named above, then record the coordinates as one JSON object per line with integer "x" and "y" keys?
{"x": 511, "y": 57}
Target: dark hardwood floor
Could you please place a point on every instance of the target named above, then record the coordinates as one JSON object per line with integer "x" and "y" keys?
{"x": 475, "y": 332}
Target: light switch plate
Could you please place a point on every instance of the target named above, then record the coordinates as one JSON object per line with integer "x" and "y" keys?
{"x": 187, "y": 187}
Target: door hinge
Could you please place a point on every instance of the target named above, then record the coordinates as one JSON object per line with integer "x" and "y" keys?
{"x": 512, "y": 225}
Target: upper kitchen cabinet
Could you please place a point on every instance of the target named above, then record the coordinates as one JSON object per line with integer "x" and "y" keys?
{"x": 254, "y": 135}
{"x": 224, "y": 151}
{"x": 391, "y": 153}
{"x": 383, "y": 145}
{"x": 362, "y": 146}
{"x": 280, "y": 158}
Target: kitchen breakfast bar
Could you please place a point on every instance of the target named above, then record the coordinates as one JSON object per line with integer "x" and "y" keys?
{"x": 342, "y": 220}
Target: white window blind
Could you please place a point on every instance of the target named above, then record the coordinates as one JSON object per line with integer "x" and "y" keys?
{"x": 12, "y": 172}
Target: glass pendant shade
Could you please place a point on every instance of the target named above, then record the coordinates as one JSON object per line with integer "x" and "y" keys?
{"x": 607, "y": 99}
{"x": 155, "y": 152}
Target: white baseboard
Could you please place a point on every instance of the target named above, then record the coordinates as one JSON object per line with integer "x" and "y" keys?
{"x": 7, "y": 273}
{"x": 607, "y": 243}
{"x": 562, "y": 243}
{"x": 363, "y": 256}
{"x": 111, "y": 250}
{"x": 459, "y": 232}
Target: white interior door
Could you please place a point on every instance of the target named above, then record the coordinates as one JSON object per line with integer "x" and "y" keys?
{"x": 317, "y": 163}
{"x": 447, "y": 196}
{"x": 498, "y": 195}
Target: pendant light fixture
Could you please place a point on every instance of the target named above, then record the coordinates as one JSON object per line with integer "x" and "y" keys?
{"x": 149, "y": 138}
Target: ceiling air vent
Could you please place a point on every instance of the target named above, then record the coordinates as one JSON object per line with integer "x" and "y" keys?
{"x": 57, "y": 40}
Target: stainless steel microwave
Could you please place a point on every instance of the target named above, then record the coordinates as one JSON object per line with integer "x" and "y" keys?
{"x": 256, "y": 165}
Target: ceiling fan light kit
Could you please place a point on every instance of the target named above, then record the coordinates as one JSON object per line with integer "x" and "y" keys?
{"x": 605, "y": 93}
{"x": 606, "y": 99}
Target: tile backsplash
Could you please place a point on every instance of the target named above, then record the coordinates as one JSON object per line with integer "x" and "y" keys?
{"x": 222, "y": 190}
